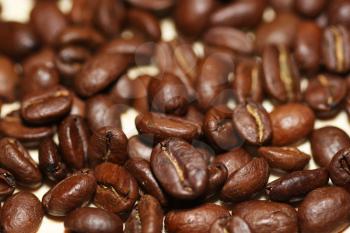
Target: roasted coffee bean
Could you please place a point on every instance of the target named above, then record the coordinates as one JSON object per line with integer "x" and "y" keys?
{"x": 282, "y": 79}
{"x": 310, "y": 8}
{"x": 46, "y": 106}
{"x": 78, "y": 107}
{"x": 99, "y": 72}
{"x": 73, "y": 192}
{"x": 145, "y": 22}
{"x": 282, "y": 5}
{"x": 50, "y": 161}
{"x": 202, "y": 217}
{"x": 147, "y": 216}
{"x": 101, "y": 111}
{"x": 9, "y": 80}
{"x": 16, "y": 159}
{"x": 73, "y": 136}
{"x": 336, "y": 49}
{"x": 42, "y": 58}
{"x": 339, "y": 168}
{"x": 308, "y": 50}
{"x": 48, "y": 21}
{"x": 82, "y": 12}
{"x": 219, "y": 128}
{"x": 108, "y": 144}
{"x": 326, "y": 142}
{"x": 234, "y": 159}
{"x": 266, "y": 216}
{"x": 248, "y": 82}
{"x": 22, "y": 212}
{"x": 86, "y": 37}
{"x": 338, "y": 12}
{"x": 291, "y": 123}
{"x": 325, "y": 210}
{"x": 117, "y": 190}
{"x": 140, "y": 103}
{"x": 162, "y": 126}
{"x": 296, "y": 184}
{"x": 232, "y": 224}
{"x": 239, "y": 14}
{"x": 154, "y": 5}
{"x": 252, "y": 123}
{"x": 284, "y": 158}
{"x": 180, "y": 169}
{"x": 7, "y": 184}
{"x": 167, "y": 94}
{"x": 139, "y": 148}
{"x": 218, "y": 174}
{"x": 246, "y": 181}
{"x": 142, "y": 172}
{"x": 92, "y": 220}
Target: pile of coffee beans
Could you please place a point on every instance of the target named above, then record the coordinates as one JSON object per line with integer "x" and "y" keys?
{"x": 206, "y": 143}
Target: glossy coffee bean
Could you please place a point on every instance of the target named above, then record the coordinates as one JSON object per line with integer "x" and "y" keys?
{"x": 202, "y": 218}
{"x": 246, "y": 181}
{"x": 284, "y": 158}
{"x": 266, "y": 216}
{"x": 232, "y": 224}
{"x": 296, "y": 184}
{"x": 233, "y": 160}
{"x": 145, "y": 22}
{"x": 147, "y": 216}
{"x": 16, "y": 159}
{"x": 291, "y": 123}
{"x": 117, "y": 190}
{"x": 252, "y": 123}
{"x": 218, "y": 174}
{"x": 219, "y": 128}
{"x": 282, "y": 79}
{"x": 325, "y": 210}
{"x": 92, "y": 220}
{"x": 9, "y": 79}
{"x": 73, "y": 192}
{"x": 50, "y": 161}
{"x": 7, "y": 184}
{"x": 326, "y": 142}
{"x": 22, "y": 212}
{"x": 73, "y": 136}
{"x": 339, "y": 167}
{"x": 139, "y": 148}
{"x": 338, "y": 12}
{"x": 42, "y": 58}
{"x": 86, "y": 37}
{"x": 179, "y": 168}
{"x": 310, "y": 8}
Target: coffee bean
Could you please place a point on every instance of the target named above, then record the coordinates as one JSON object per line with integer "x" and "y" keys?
{"x": 296, "y": 184}
{"x": 339, "y": 167}
{"x": 325, "y": 210}
{"x": 326, "y": 142}
{"x": 73, "y": 192}
{"x": 252, "y": 123}
{"x": 9, "y": 79}
{"x": 234, "y": 159}
{"x": 338, "y": 12}
{"x": 86, "y": 37}
{"x": 284, "y": 158}
{"x": 282, "y": 6}
{"x": 147, "y": 216}
{"x": 140, "y": 86}
{"x": 117, "y": 190}
{"x": 82, "y": 12}
{"x": 310, "y": 8}
{"x": 139, "y": 148}
{"x": 22, "y": 212}
{"x": 266, "y": 216}
{"x": 91, "y": 220}
{"x": 246, "y": 181}
{"x": 42, "y": 58}
{"x": 218, "y": 174}
{"x": 179, "y": 168}
{"x": 154, "y": 5}
{"x": 7, "y": 184}
{"x": 78, "y": 107}
{"x": 291, "y": 123}
{"x": 232, "y": 224}
{"x": 202, "y": 217}
{"x": 145, "y": 22}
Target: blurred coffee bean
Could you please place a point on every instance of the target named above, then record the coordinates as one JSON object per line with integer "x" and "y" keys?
{"x": 145, "y": 22}
{"x": 7, "y": 184}
{"x": 9, "y": 80}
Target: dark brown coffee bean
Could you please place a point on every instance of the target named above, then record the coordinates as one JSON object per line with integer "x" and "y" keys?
{"x": 16, "y": 159}
{"x": 234, "y": 159}
{"x": 92, "y": 220}
{"x": 145, "y": 22}
{"x": 78, "y": 107}
{"x": 81, "y": 36}
{"x": 7, "y": 184}
{"x": 108, "y": 144}
{"x": 167, "y": 94}
{"x": 99, "y": 72}
{"x": 73, "y": 136}
{"x": 82, "y": 12}
{"x": 232, "y": 224}
{"x": 22, "y": 212}
{"x": 46, "y": 106}
{"x": 284, "y": 158}
{"x": 147, "y": 216}
{"x": 139, "y": 148}
{"x": 42, "y": 58}
{"x": 246, "y": 181}
{"x": 291, "y": 123}
{"x": 252, "y": 123}
{"x": 282, "y": 80}
{"x": 338, "y": 12}
{"x": 202, "y": 217}
{"x": 218, "y": 174}
{"x": 266, "y": 216}
{"x": 326, "y": 142}
{"x": 162, "y": 127}
{"x": 339, "y": 168}
{"x": 155, "y": 5}
{"x": 219, "y": 129}
{"x": 73, "y": 192}
{"x": 308, "y": 50}
{"x": 9, "y": 80}
{"x": 325, "y": 94}
{"x": 101, "y": 111}
{"x": 179, "y": 168}
{"x": 310, "y": 8}
{"x": 117, "y": 190}
{"x": 282, "y": 5}
{"x": 296, "y": 184}
{"x": 50, "y": 161}
{"x": 336, "y": 49}
{"x": 141, "y": 170}
{"x": 325, "y": 210}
